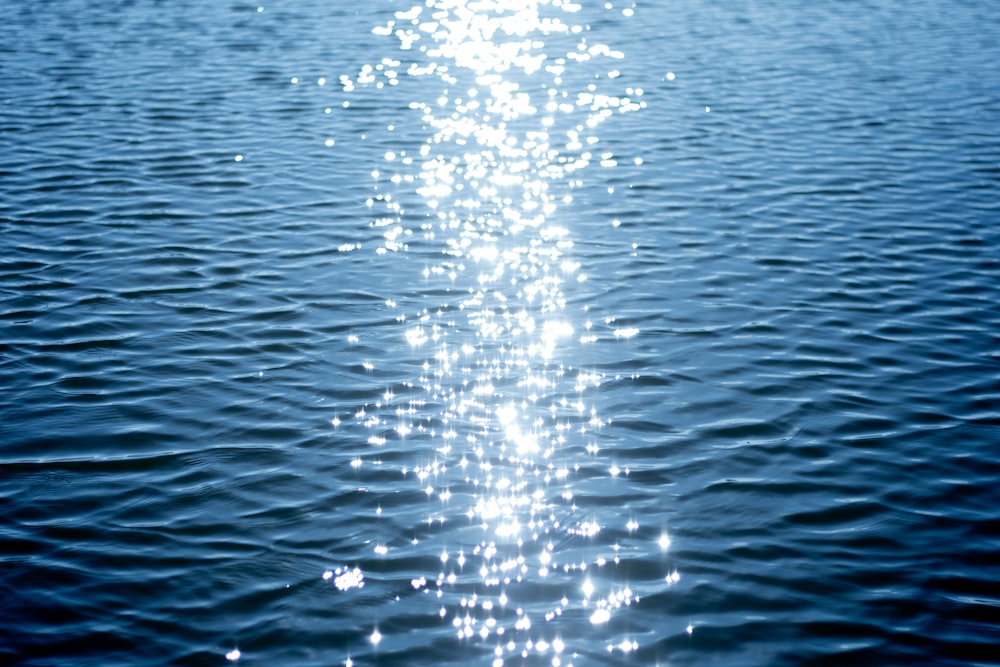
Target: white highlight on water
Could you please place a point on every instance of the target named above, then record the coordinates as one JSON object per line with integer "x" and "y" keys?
{"x": 494, "y": 407}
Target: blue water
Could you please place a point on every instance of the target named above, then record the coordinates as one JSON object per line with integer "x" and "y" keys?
{"x": 499, "y": 333}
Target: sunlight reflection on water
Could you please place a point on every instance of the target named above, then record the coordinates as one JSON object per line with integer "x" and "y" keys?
{"x": 512, "y": 98}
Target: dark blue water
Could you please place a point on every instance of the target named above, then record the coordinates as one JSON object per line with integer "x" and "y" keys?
{"x": 499, "y": 333}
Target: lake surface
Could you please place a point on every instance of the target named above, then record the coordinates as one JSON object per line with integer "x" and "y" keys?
{"x": 500, "y": 333}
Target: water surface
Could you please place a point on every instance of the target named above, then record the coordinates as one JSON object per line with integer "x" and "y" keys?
{"x": 499, "y": 333}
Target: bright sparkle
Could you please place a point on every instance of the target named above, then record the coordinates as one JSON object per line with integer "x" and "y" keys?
{"x": 493, "y": 402}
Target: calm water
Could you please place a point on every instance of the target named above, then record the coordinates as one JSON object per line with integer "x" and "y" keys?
{"x": 499, "y": 333}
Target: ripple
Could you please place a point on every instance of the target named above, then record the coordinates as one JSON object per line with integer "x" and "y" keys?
{"x": 768, "y": 282}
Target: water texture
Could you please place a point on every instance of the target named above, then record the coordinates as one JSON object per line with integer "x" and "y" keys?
{"x": 499, "y": 333}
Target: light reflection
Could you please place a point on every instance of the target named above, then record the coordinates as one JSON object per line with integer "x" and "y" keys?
{"x": 508, "y": 141}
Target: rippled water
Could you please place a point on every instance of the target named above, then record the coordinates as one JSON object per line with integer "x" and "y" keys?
{"x": 500, "y": 332}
